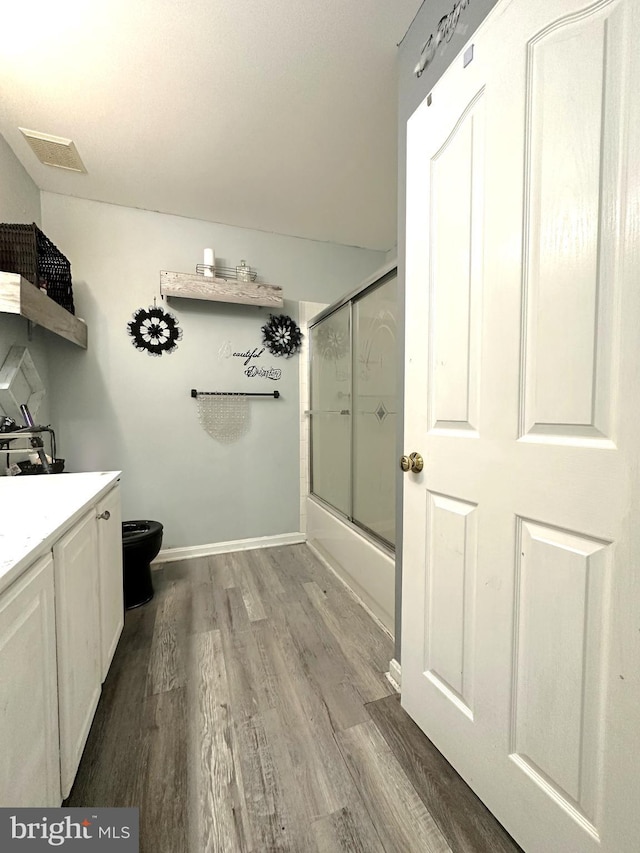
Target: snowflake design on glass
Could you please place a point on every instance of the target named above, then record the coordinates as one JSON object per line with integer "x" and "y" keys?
{"x": 332, "y": 341}
{"x": 154, "y": 331}
{"x": 281, "y": 336}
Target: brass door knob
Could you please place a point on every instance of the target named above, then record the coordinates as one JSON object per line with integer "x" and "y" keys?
{"x": 417, "y": 462}
{"x": 413, "y": 462}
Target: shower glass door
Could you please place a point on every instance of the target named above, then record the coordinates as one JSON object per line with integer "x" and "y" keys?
{"x": 354, "y": 362}
{"x": 331, "y": 410}
{"x": 375, "y": 364}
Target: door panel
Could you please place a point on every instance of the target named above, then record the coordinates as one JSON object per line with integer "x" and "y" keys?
{"x": 561, "y": 583}
{"x": 451, "y": 562}
{"x": 521, "y": 648}
{"x": 571, "y": 187}
{"x": 457, "y": 180}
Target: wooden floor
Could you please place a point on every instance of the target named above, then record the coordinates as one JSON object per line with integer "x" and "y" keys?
{"x": 246, "y": 709}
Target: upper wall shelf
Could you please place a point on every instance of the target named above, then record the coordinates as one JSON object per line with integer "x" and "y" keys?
{"x": 190, "y": 286}
{"x": 19, "y": 296}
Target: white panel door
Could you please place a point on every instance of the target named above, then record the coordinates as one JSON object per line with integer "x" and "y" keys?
{"x": 75, "y": 559}
{"x": 30, "y": 765}
{"x": 109, "y": 516}
{"x": 521, "y": 587}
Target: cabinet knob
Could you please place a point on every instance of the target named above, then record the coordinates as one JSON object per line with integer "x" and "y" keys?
{"x": 106, "y": 515}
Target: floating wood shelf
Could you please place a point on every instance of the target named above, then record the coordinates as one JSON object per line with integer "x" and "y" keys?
{"x": 19, "y": 296}
{"x": 191, "y": 286}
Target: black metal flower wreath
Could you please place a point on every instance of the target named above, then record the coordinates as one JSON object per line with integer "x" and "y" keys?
{"x": 281, "y": 336}
{"x": 154, "y": 330}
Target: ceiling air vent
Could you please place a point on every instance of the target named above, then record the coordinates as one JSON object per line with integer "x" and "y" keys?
{"x": 54, "y": 150}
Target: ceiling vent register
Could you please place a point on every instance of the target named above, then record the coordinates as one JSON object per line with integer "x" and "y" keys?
{"x": 54, "y": 150}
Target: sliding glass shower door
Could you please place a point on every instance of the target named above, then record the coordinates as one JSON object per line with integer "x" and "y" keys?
{"x": 375, "y": 362}
{"x": 331, "y": 410}
{"x": 354, "y": 362}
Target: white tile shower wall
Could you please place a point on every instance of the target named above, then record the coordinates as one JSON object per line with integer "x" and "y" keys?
{"x": 307, "y": 310}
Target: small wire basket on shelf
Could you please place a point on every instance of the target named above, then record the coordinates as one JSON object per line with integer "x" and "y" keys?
{"x": 26, "y": 250}
{"x": 226, "y": 273}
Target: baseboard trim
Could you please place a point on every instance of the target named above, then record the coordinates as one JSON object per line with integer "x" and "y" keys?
{"x": 193, "y": 551}
{"x": 395, "y": 675}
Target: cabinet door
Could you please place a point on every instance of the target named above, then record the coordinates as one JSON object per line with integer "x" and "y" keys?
{"x": 78, "y": 640}
{"x": 29, "y": 767}
{"x": 110, "y": 567}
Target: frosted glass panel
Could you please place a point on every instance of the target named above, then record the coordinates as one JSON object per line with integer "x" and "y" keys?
{"x": 330, "y": 410}
{"x": 375, "y": 409}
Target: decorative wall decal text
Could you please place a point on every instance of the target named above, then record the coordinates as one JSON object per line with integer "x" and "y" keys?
{"x": 154, "y": 330}
{"x": 281, "y": 336}
{"x": 225, "y": 350}
{"x": 447, "y": 26}
{"x": 249, "y": 354}
{"x": 263, "y": 372}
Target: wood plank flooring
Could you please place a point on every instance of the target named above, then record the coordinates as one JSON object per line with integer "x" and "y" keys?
{"x": 246, "y": 709}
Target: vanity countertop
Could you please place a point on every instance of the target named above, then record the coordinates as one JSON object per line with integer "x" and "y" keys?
{"x": 36, "y": 511}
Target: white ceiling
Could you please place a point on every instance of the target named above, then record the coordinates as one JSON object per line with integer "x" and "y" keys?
{"x": 270, "y": 114}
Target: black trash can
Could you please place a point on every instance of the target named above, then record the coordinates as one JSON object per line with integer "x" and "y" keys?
{"x": 141, "y": 542}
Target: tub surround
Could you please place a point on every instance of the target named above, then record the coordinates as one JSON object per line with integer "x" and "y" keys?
{"x": 36, "y": 511}
{"x": 363, "y": 566}
{"x": 348, "y": 512}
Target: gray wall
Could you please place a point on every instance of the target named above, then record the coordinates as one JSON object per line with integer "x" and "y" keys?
{"x": 412, "y": 91}
{"x": 116, "y": 408}
{"x": 19, "y": 196}
{"x": 20, "y": 203}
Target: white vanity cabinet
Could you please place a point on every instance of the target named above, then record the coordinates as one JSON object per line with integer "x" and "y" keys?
{"x": 29, "y": 763}
{"x": 109, "y": 520}
{"x": 89, "y": 620}
{"x": 77, "y": 581}
{"x": 61, "y": 615}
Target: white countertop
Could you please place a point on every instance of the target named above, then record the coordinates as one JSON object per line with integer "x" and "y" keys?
{"x": 36, "y": 511}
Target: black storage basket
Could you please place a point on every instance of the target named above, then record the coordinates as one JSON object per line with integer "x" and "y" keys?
{"x": 26, "y": 250}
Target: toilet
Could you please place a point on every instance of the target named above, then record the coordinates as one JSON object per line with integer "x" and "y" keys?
{"x": 141, "y": 542}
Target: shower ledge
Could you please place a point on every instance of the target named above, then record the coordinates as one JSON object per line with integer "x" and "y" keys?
{"x": 19, "y": 296}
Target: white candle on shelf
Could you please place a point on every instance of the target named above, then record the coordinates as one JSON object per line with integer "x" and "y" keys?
{"x": 209, "y": 262}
